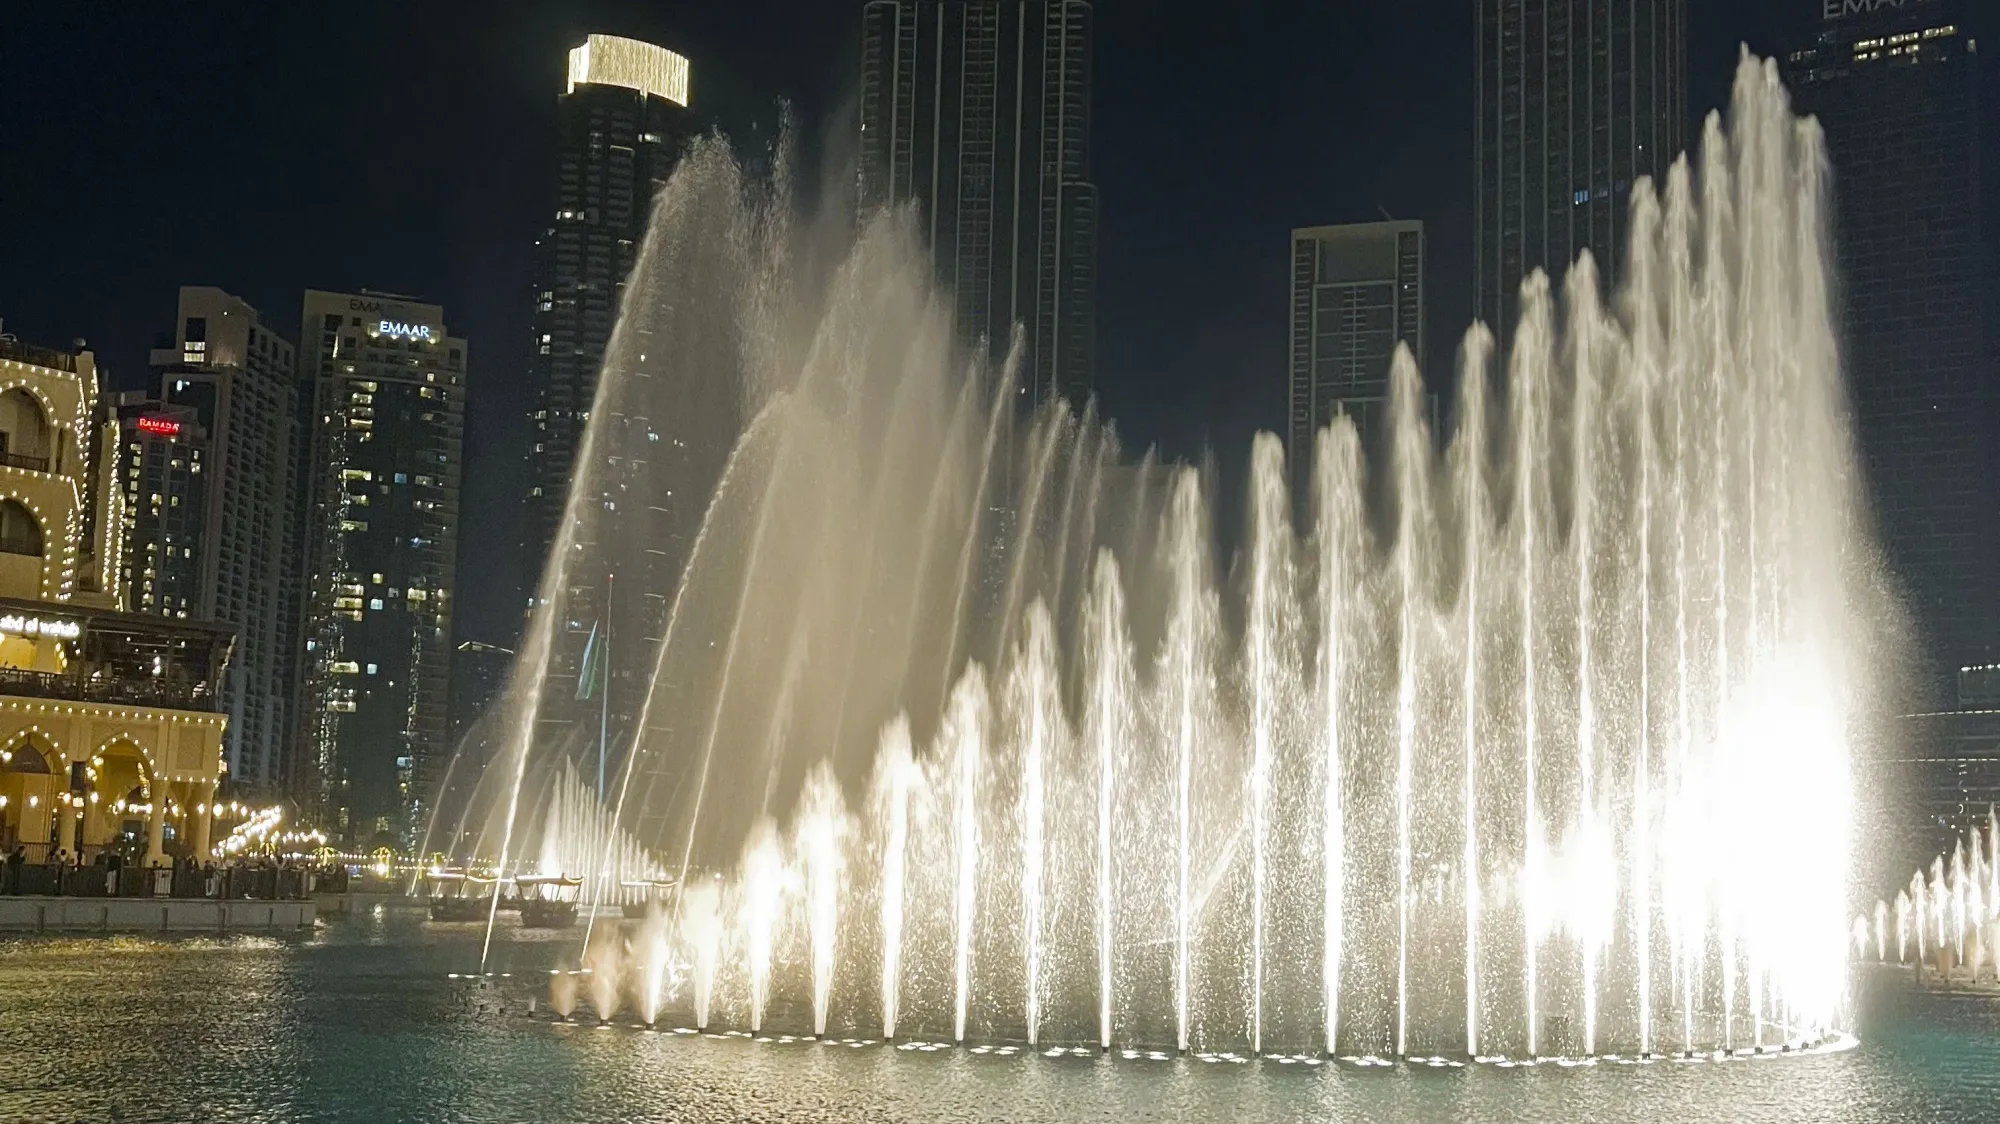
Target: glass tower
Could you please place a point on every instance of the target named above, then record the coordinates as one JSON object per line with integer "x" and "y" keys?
{"x": 625, "y": 123}
{"x": 1357, "y": 292}
{"x": 1896, "y": 91}
{"x": 1575, "y": 100}
{"x": 978, "y": 112}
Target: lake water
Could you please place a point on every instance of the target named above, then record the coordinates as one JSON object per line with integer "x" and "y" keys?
{"x": 359, "y": 1022}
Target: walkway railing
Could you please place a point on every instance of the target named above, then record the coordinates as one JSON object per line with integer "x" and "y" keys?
{"x": 162, "y": 693}
{"x": 256, "y": 883}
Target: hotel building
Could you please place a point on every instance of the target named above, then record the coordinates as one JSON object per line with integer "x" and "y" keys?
{"x": 110, "y": 725}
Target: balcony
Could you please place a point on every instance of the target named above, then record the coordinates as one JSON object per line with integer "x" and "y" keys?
{"x": 23, "y": 460}
{"x": 166, "y": 694}
{"x": 39, "y": 356}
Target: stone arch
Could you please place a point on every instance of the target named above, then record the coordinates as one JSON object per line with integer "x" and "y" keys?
{"x": 40, "y": 744}
{"x": 25, "y": 426}
{"x": 32, "y": 770}
{"x": 21, "y": 530}
{"x": 126, "y": 743}
{"x": 121, "y": 775}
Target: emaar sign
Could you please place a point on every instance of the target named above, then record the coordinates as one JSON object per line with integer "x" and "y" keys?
{"x": 1842, "y": 9}
{"x": 396, "y": 330}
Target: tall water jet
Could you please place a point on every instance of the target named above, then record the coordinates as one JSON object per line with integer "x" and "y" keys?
{"x": 967, "y": 727}
{"x": 700, "y": 933}
{"x": 653, "y": 953}
{"x": 1412, "y": 459}
{"x": 1270, "y": 539}
{"x": 763, "y": 893}
{"x": 822, "y": 826}
{"x": 604, "y": 960}
{"x": 1470, "y": 450}
{"x": 896, "y": 772}
{"x": 1111, "y": 690}
{"x": 1340, "y": 528}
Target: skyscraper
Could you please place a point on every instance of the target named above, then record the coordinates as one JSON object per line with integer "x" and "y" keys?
{"x": 389, "y": 383}
{"x": 1574, "y": 101}
{"x": 624, "y": 121}
{"x": 978, "y": 112}
{"x": 1357, "y": 291}
{"x": 165, "y": 502}
{"x": 1895, "y": 88}
{"x": 217, "y": 446}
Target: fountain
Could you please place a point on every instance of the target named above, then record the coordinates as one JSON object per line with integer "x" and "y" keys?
{"x": 960, "y": 728}
{"x": 1949, "y": 917}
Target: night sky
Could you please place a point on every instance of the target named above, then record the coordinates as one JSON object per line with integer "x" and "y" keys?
{"x": 270, "y": 147}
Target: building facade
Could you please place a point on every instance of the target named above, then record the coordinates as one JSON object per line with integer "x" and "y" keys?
{"x": 165, "y": 448}
{"x": 977, "y": 114}
{"x": 624, "y": 122}
{"x": 1895, "y": 88}
{"x": 389, "y": 381}
{"x": 1575, "y": 100}
{"x": 1357, "y": 292}
{"x": 213, "y": 509}
{"x": 110, "y": 725}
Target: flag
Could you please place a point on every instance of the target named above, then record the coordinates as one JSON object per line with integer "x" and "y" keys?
{"x": 588, "y": 676}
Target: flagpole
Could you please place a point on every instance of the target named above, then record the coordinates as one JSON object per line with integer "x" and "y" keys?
{"x": 604, "y": 690}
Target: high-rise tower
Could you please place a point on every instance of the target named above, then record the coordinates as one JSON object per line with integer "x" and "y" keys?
{"x": 978, "y": 111}
{"x": 624, "y": 122}
{"x": 1357, "y": 291}
{"x": 217, "y": 454}
{"x": 1575, "y": 100}
{"x": 1895, "y": 88}
{"x": 389, "y": 383}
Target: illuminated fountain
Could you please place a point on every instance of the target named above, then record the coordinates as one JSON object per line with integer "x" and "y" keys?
{"x": 1947, "y": 917}
{"x": 962, "y": 729}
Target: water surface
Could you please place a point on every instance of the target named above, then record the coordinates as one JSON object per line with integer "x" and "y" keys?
{"x": 358, "y": 1022}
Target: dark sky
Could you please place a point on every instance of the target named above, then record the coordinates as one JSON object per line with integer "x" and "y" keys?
{"x": 268, "y": 147}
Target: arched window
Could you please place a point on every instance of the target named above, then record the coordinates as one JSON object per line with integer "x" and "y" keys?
{"x": 25, "y": 757}
{"x": 20, "y": 531}
{"x": 24, "y": 431}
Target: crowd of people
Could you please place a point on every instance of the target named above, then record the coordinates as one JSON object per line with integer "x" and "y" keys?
{"x": 113, "y": 874}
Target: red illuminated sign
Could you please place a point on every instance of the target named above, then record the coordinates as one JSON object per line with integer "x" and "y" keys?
{"x": 161, "y": 426}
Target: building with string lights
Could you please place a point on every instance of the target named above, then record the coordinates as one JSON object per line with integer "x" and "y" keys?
{"x": 110, "y": 729}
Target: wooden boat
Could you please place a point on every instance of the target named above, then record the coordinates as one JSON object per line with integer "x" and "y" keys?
{"x": 548, "y": 901}
{"x": 459, "y": 896}
{"x": 647, "y": 895}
